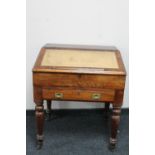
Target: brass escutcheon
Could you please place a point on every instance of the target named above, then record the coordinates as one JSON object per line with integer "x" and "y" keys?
{"x": 59, "y": 95}
{"x": 96, "y": 96}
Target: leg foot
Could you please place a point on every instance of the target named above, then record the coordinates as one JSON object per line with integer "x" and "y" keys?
{"x": 112, "y": 144}
{"x": 39, "y": 144}
{"x": 112, "y": 147}
{"x": 50, "y": 116}
{"x": 39, "y": 141}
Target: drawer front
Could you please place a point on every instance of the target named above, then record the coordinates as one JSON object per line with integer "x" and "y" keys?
{"x": 78, "y": 95}
{"x": 79, "y": 80}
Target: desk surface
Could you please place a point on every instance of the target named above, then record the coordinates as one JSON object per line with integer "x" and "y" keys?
{"x": 79, "y": 59}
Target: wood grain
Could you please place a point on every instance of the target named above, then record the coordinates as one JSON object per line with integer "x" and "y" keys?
{"x": 80, "y": 81}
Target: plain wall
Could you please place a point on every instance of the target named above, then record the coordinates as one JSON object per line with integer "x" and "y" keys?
{"x": 94, "y": 22}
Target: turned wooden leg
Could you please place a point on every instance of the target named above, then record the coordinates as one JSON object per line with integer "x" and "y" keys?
{"x": 48, "y": 110}
{"x": 107, "y": 105}
{"x": 49, "y": 114}
{"x": 114, "y": 126}
{"x": 39, "y": 112}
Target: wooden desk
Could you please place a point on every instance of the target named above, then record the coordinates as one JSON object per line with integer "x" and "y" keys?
{"x": 79, "y": 73}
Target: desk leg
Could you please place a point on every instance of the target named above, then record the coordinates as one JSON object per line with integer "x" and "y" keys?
{"x": 39, "y": 111}
{"x": 48, "y": 111}
{"x": 114, "y": 126}
{"x": 107, "y": 105}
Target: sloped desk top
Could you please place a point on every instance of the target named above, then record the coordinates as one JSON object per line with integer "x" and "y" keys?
{"x": 79, "y": 59}
{"x": 76, "y": 58}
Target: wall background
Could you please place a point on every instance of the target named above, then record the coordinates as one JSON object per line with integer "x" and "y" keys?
{"x": 96, "y": 22}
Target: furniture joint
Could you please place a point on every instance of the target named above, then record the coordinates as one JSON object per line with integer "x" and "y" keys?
{"x": 39, "y": 108}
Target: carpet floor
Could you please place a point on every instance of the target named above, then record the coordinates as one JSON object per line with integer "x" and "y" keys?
{"x": 77, "y": 133}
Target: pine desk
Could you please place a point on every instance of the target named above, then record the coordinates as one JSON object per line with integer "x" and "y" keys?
{"x": 78, "y": 73}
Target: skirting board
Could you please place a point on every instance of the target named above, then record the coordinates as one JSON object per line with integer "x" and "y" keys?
{"x": 78, "y": 111}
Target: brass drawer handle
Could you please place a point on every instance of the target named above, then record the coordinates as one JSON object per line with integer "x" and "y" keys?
{"x": 96, "y": 96}
{"x": 58, "y": 95}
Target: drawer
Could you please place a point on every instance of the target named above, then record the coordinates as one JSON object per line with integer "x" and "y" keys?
{"x": 78, "y": 95}
{"x": 79, "y": 80}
